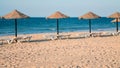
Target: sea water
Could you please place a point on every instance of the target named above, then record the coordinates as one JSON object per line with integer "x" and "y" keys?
{"x": 36, "y": 25}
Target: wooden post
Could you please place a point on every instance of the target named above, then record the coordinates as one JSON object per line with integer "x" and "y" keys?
{"x": 116, "y": 24}
{"x": 89, "y": 25}
{"x": 15, "y": 27}
{"x": 57, "y": 27}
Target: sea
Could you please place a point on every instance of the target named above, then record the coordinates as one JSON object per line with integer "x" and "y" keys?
{"x": 35, "y": 25}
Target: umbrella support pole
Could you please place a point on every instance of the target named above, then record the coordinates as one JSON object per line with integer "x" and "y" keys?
{"x": 89, "y": 26}
{"x": 117, "y": 25}
{"x": 57, "y": 28}
{"x": 15, "y": 29}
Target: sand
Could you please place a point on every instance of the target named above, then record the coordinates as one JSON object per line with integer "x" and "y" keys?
{"x": 98, "y": 52}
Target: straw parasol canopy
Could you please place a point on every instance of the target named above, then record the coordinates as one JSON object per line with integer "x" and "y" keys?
{"x": 89, "y": 15}
{"x": 15, "y": 15}
{"x": 57, "y": 15}
{"x": 115, "y": 15}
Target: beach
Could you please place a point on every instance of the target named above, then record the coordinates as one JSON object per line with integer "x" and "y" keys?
{"x": 94, "y": 52}
{"x": 56, "y": 34}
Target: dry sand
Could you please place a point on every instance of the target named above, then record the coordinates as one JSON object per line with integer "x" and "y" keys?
{"x": 98, "y": 52}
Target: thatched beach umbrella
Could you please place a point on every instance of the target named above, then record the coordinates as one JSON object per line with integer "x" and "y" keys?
{"x": 15, "y": 15}
{"x": 115, "y": 15}
{"x": 89, "y": 16}
{"x": 57, "y": 15}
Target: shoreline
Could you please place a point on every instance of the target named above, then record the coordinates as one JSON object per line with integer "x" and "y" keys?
{"x": 72, "y": 32}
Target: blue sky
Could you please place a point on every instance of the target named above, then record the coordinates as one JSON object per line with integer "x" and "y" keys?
{"x": 73, "y": 8}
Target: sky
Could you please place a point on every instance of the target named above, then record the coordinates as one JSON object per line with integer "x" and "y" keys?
{"x": 72, "y": 8}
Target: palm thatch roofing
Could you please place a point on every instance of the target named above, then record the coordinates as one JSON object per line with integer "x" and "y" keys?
{"x": 89, "y": 15}
{"x": 115, "y": 20}
{"x": 114, "y": 15}
{"x": 57, "y": 15}
{"x": 15, "y": 15}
